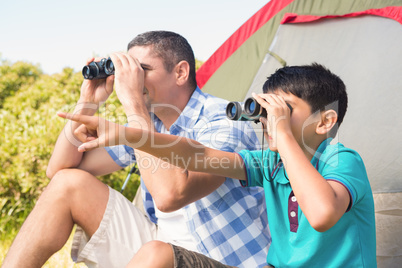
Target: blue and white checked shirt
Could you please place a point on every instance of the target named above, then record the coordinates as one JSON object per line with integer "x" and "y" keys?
{"x": 229, "y": 225}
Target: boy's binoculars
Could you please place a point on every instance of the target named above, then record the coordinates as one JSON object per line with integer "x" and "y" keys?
{"x": 252, "y": 110}
{"x": 98, "y": 69}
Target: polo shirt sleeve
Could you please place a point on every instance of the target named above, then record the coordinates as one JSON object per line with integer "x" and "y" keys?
{"x": 347, "y": 168}
{"x": 254, "y": 168}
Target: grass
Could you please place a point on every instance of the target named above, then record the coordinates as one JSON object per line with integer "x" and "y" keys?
{"x": 60, "y": 259}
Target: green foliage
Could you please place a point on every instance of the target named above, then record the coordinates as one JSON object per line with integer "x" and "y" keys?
{"x": 12, "y": 77}
{"x": 29, "y": 129}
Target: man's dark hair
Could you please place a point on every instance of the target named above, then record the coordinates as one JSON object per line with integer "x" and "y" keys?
{"x": 315, "y": 84}
{"x": 170, "y": 47}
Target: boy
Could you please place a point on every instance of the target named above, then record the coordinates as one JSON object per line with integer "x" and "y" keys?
{"x": 321, "y": 209}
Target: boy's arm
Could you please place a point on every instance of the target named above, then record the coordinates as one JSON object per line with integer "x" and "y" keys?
{"x": 186, "y": 153}
{"x": 169, "y": 148}
{"x": 323, "y": 202}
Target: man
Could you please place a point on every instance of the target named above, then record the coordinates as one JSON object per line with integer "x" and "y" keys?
{"x": 155, "y": 82}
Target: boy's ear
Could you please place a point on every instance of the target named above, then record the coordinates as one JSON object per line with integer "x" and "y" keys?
{"x": 327, "y": 122}
{"x": 182, "y": 71}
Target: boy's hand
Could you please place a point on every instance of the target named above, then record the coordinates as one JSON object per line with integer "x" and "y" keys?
{"x": 95, "y": 131}
{"x": 278, "y": 115}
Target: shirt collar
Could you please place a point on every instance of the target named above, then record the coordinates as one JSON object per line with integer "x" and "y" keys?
{"x": 321, "y": 148}
{"x": 188, "y": 116}
{"x": 282, "y": 177}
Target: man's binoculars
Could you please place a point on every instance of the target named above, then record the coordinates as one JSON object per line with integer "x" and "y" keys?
{"x": 98, "y": 69}
{"x": 252, "y": 110}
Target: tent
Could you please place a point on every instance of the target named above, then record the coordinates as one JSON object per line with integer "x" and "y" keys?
{"x": 361, "y": 41}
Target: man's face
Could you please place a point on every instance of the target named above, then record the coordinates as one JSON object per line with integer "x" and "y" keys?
{"x": 302, "y": 122}
{"x": 158, "y": 83}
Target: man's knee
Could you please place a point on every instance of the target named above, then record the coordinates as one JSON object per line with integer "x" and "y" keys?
{"x": 66, "y": 181}
{"x": 75, "y": 186}
{"x": 156, "y": 246}
{"x": 154, "y": 254}
{"x": 82, "y": 194}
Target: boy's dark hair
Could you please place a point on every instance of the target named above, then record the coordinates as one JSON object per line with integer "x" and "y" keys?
{"x": 315, "y": 84}
{"x": 169, "y": 46}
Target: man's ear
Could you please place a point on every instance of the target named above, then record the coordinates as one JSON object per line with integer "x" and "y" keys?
{"x": 327, "y": 122}
{"x": 182, "y": 71}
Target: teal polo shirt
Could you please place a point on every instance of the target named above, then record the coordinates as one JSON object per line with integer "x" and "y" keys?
{"x": 351, "y": 242}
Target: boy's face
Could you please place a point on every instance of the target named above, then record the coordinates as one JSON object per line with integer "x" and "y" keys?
{"x": 301, "y": 122}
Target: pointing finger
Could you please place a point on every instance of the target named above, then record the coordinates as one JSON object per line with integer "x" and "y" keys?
{"x": 83, "y": 119}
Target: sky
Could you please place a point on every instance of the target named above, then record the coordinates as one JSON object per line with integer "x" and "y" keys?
{"x": 58, "y": 34}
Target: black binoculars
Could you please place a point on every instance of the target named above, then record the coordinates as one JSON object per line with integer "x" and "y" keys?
{"x": 252, "y": 111}
{"x": 98, "y": 69}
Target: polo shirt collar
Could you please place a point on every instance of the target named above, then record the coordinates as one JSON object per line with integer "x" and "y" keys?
{"x": 282, "y": 176}
{"x": 320, "y": 150}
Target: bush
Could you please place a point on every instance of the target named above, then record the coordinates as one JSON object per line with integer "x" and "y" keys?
{"x": 12, "y": 77}
{"x": 29, "y": 126}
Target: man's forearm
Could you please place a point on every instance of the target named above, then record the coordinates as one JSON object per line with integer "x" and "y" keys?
{"x": 65, "y": 153}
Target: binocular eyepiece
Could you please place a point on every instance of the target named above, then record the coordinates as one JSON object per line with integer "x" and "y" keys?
{"x": 98, "y": 69}
{"x": 252, "y": 111}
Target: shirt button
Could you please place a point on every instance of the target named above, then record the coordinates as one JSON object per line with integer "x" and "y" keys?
{"x": 292, "y": 214}
{"x": 293, "y": 199}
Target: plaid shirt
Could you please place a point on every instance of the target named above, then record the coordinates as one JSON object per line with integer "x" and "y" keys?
{"x": 230, "y": 224}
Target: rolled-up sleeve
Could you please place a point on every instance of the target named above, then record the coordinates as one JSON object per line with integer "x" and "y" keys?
{"x": 121, "y": 154}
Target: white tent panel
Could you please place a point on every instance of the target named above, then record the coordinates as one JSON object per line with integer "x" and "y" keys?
{"x": 366, "y": 53}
